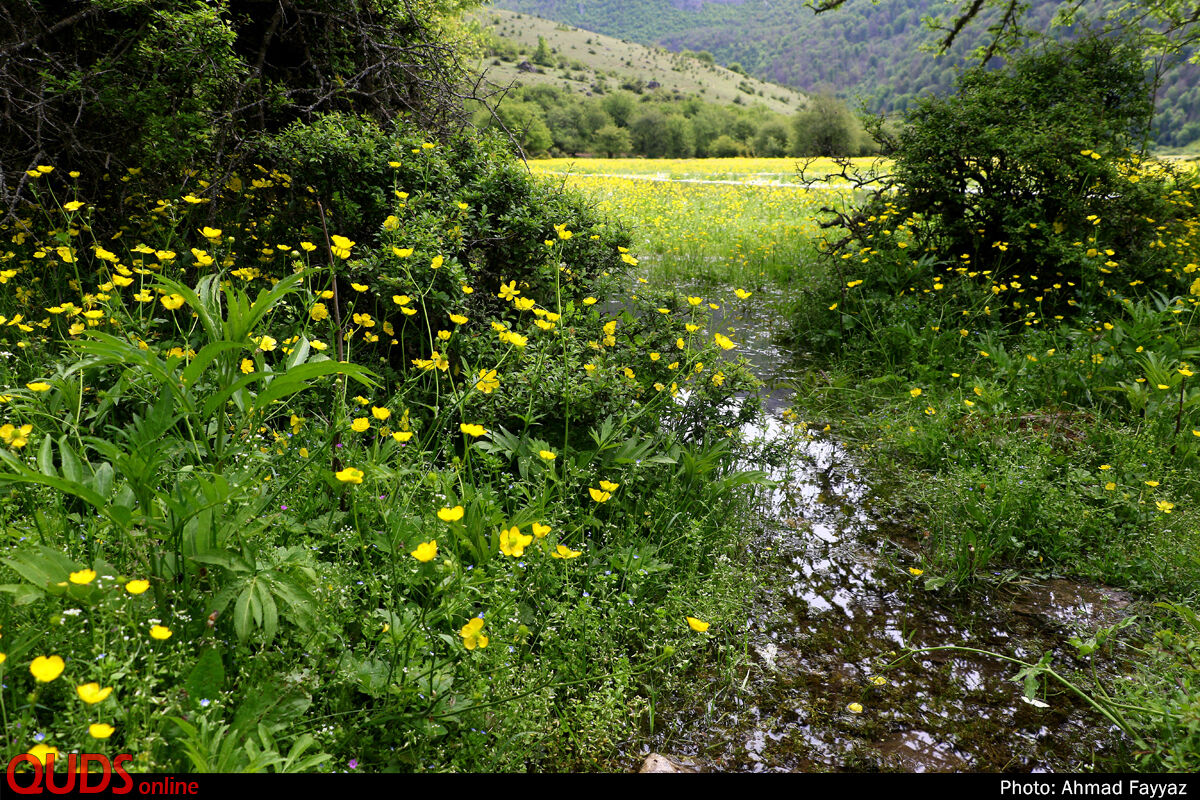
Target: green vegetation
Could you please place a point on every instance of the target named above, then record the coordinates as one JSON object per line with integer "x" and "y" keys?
{"x": 876, "y": 52}
{"x": 531, "y": 51}
{"x": 1015, "y": 319}
{"x": 610, "y": 98}
{"x": 554, "y": 122}
{"x": 342, "y": 448}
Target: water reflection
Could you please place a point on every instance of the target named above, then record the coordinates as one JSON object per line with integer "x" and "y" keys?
{"x": 841, "y": 608}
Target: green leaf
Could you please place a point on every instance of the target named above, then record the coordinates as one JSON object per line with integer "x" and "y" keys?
{"x": 241, "y": 613}
{"x": 42, "y": 566}
{"x": 209, "y": 353}
{"x": 207, "y": 676}
{"x": 71, "y": 468}
{"x": 23, "y": 594}
{"x": 46, "y": 457}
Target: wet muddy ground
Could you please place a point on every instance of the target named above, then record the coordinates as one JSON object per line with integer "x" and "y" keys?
{"x": 826, "y": 685}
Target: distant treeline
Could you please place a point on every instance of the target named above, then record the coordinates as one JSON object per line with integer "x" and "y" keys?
{"x": 548, "y": 121}
{"x": 868, "y": 49}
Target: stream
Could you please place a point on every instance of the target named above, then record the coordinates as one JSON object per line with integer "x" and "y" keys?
{"x": 823, "y": 687}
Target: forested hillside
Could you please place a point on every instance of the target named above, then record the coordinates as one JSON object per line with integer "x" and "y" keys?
{"x": 872, "y": 52}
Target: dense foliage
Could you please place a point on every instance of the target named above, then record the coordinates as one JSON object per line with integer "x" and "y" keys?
{"x": 659, "y": 124}
{"x": 172, "y": 86}
{"x": 328, "y": 438}
{"x": 1016, "y": 316}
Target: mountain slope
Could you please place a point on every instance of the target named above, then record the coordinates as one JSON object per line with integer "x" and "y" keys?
{"x": 876, "y": 53}
{"x": 581, "y": 61}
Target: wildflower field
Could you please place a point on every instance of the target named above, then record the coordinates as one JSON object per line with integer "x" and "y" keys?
{"x": 731, "y": 220}
{"x": 277, "y": 497}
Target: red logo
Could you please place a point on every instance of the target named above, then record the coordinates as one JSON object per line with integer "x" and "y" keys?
{"x": 93, "y": 772}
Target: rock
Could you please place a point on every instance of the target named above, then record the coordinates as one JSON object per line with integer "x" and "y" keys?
{"x": 659, "y": 763}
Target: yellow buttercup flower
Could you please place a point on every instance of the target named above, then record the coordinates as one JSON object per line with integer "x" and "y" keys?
{"x": 451, "y": 514}
{"x": 488, "y": 382}
{"x": 426, "y": 551}
{"x": 350, "y": 475}
{"x": 380, "y": 413}
{"x": 91, "y": 693}
{"x": 608, "y": 486}
{"x": 471, "y": 635}
{"x": 341, "y": 246}
{"x": 41, "y": 751}
{"x": 472, "y": 430}
{"x": 361, "y": 424}
{"x": 46, "y": 668}
{"x": 700, "y": 626}
{"x": 547, "y": 455}
{"x": 100, "y": 730}
{"x": 562, "y": 551}
{"x": 724, "y": 342}
{"x": 137, "y": 586}
{"x": 160, "y": 632}
{"x": 83, "y": 577}
{"x": 513, "y": 542}
{"x": 38, "y": 386}
{"x": 540, "y": 530}
{"x": 855, "y": 708}
{"x": 599, "y": 496}
{"x": 172, "y": 301}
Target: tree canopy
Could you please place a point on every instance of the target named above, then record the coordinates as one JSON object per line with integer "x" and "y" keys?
{"x": 172, "y": 85}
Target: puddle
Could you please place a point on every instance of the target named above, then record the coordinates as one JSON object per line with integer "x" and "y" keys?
{"x": 826, "y": 688}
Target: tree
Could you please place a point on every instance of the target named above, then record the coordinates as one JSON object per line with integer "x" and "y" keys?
{"x": 541, "y": 55}
{"x": 523, "y": 121}
{"x": 612, "y": 141}
{"x": 646, "y": 131}
{"x": 174, "y": 85}
{"x": 726, "y": 147}
{"x": 771, "y": 141}
{"x": 678, "y": 140}
{"x": 1031, "y": 170}
{"x": 825, "y": 128}
{"x": 620, "y": 106}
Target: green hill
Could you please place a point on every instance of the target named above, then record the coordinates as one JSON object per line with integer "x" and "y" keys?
{"x": 587, "y": 63}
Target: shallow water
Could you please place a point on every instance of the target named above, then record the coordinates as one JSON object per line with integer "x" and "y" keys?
{"x": 839, "y": 607}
